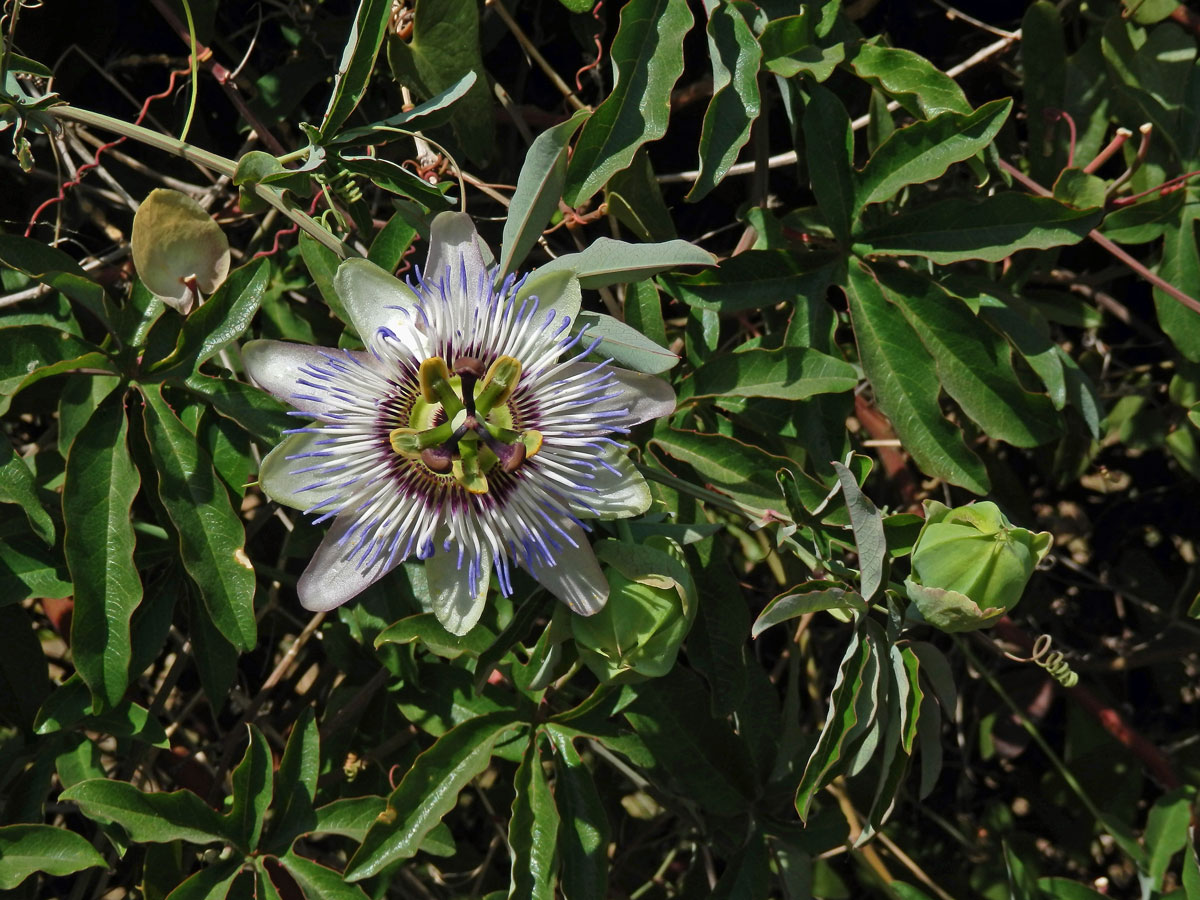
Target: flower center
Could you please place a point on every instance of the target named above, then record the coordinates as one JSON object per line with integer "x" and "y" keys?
{"x": 474, "y": 437}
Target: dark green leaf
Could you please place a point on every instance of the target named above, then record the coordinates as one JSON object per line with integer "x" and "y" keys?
{"x": 926, "y": 149}
{"x": 605, "y": 261}
{"x": 50, "y": 266}
{"x": 998, "y": 226}
{"x": 790, "y": 373}
{"x": 264, "y": 417}
{"x": 910, "y": 78}
{"x": 648, "y": 54}
{"x": 752, "y": 280}
{"x": 974, "y": 363}
{"x": 24, "y": 679}
{"x": 425, "y": 628}
{"x": 810, "y": 597}
{"x": 842, "y": 717}
{"x": 318, "y": 881}
{"x": 296, "y": 783}
{"x": 1077, "y": 188}
{"x": 350, "y": 816}
{"x": 17, "y": 486}
{"x": 322, "y": 264}
{"x": 211, "y": 537}
{"x": 33, "y": 348}
{"x": 1181, "y": 267}
{"x": 743, "y": 471}
{"x": 539, "y": 189}
{"x": 746, "y": 873}
{"x": 902, "y": 376}
{"x": 396, "y": 178}
{"x": 443, "y": 49}
{"x": 148, "y": 817}
{"x": 702, "y": 754}
{"x": 435, "y": 111}
{"x": 829, "y": 152}
{"x": 28, "y": 568}
{"x": 25, "y": 849}
{"x": 429, "y": 790}
{"x": 1044, "y": 65}
{"x": 213, "y": 882}
{"x": 1167, "y": 830}
{"x": 217, "y": 323}
{"x": 584, "y": 832}
{"x": 358, "y": 59}
{"x": 533, "y": 829}
{"x": 253, "y": 782}
{"x": 735, "y": 103}
{"x": 98, "y": 494}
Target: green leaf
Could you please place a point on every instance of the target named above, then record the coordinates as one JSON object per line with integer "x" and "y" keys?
{"x": 869, "y": 539}
{"x": 624, "y": 344}
{"x": 735, "y": 104}
{"x": 584, "y": 832}
{"x": 635, "y": 199}
{"x": 349, "y": 816}
{"x": 829, "y": 152}
{"x": 98, "y": 495}
{"x": 810, "y": 597}
{"x": 70, "y": 707}
{"x": 1044, "y": 67}
{"x": 902, "y": 376}
{"x": 702, "y": 754}
{"x": 77, "y": 401}
{"x": 253, "y": 782}
{"x": 17, "y": 486}
{"x": 429, "y": 790}
{"x": 840, "y": 720}
{"x": 296, "y": 783}
{"x": 1167, "y": 830}
{"x": 220, "y": 321}
{"x": 425, "y": 628}
{"x": 790, "y": 373}
{"x": 746, "y": 872}
{"x": 539, "y": 189}
{"x": 743, "y": 471}
{"x": 435, "y": 111}
{"x": 24, "y": 679}
{"x": 647, "y": 58}
{"x": 25, "y": 849}
{"x": 358, "y": 60}
{"x": 926, "y": 149}
{"x": 213, "y": 882}
{"x": 50, "y": 266}
{"x": 907, "y": 891}
{"x": 211, "y": 537}
{"x": 443, "y": 49}
{"x": 318, "y": 881}
{"x": 998, "y": 226}
{"x": 605, "y": 261}
{"x": 910, "y": 78}
{"x": 30, "y": 349}
{"x": 322, "y": 264}
{"x": 752, "y": 280}
{"x": 533, "y": 829}
{"x": 260, "y": 414}
{"x": 149, "y": 818}
{"x": 974, "y": 363}
{"x": 30, "y": 569}
{"x": 397, "y": 179}
{"x": 788, "y": 48}
{"x": 1077, "y": 188}
{"x": 1180, "y": 266}
{"x": 1065, "y": 889}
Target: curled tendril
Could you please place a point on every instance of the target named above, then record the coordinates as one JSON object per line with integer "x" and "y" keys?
{"x": 1053, "y": 662}
{"x": 346, "y": 188}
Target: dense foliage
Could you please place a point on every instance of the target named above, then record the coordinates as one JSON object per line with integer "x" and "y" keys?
{"x": 902, "y": 596}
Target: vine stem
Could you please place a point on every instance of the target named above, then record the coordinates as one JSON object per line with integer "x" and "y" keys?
{"x": 220, "y": 164}
{"x": 1125, "y": 840}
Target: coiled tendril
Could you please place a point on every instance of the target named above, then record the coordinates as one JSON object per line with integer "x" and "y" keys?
{"x": 1053, "y": 661}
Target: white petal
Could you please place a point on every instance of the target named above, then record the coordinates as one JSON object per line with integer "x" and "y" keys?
{"x": 576, "y": 577}
{"x": 369, "y": 293}
{"x": 330, "y": 579}
{"x": 275, "y": 473}
{"x": 450, "y": 590}
{"x": 617, "y": 495}
{"x": 275, "y": 366}
{"x": 643, "y": 397}
{"x": 453, "y": 242}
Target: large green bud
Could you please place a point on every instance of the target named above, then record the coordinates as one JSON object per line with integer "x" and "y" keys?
{"x": 970, "y": 565}
{"x": 651, "y": 606}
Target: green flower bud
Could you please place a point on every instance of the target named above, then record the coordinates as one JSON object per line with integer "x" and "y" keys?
{"x": 970, "y": 565}
{"x": 650, "y": 609}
